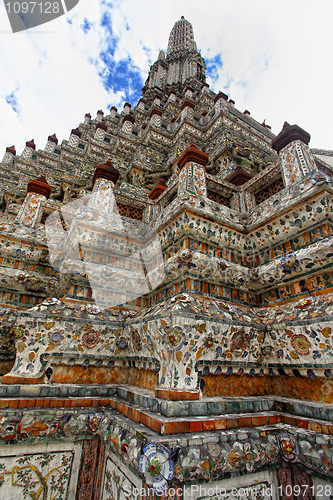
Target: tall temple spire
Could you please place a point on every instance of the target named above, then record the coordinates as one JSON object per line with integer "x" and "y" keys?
{"x": 181, "y": 37}
{"x": 182, "y": 66}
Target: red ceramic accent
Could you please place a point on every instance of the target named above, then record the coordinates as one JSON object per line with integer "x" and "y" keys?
{"x": 75, "y": 131}
{"x": 11, "y": 149}
{"x": 101, "y": 125}
{"x": 157, "y": 190}
{"x": 221, "y": 95}
{"x": 40, "y": 186}
{"x": 239, "y": 177}
{"x": 187, "y": 103}
{"x": 53, "y": 138}
{"x": 129, "y": 118}
{"x": 192, "y": 153}
{"x": 106, "y": 172}
{"x": 155, "y": 111}
{"x": 31, "y": 144}
{"x": 288, "y": 134}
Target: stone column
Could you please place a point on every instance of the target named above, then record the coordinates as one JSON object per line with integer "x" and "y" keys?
{"x": 99, "y": 115}
{"x": 157, "y": 101}
{"x": 74, "y": 138}
{"x": 172, "y": 97}
{"x": 128, "y": 124}
{"x": 187, "y": 109}
{"x": 141, "y": 104}
{"x": 220, "y": 102}
{"x": 127, "y": 108}
{"x": 52, "y": 142}
{"x": 192, "y": 176}
{"x": 113, "y": 112}
{"x": 296, "y": 158}
{"x": 155, "y": 117}
{"x": 189, "y": 93}
{"x": 9, "y": 155}
{"x": 30, "y": 147}
{"x": 101, "y": 128}
{"x": 38, "y": 192}
{"x": 102, "y": 197}
{"x": 87, "y": 119}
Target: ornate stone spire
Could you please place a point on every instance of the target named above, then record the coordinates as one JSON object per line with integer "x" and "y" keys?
{"x": 182, "y": 66}
{"x": 181, "y": 38}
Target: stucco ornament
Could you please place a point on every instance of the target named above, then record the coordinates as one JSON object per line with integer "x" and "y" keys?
{"x": 289, "y": 263}
{"x": 300, "y": 343}
{"x": 156, "y": 467}
{"x": 173, "y": 338}
{"x": 288, "y": 447}
{"x": 94, "y": 421}
{"x": 305, "y": 303}
{"x": 319, "y": 177}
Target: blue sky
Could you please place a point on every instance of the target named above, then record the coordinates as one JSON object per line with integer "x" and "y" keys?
{"x": 272, "y": 60}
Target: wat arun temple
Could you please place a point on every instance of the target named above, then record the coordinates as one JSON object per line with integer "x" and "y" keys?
{"x": 166, "y": 302}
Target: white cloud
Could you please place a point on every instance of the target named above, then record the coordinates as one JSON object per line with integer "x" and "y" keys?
{"x": 276, "y": 62}
{"x": 55, "y": 69}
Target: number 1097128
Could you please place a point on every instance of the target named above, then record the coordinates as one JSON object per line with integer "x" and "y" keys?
{"x": 33, "y": 7}
{"x": 300, "y": 490}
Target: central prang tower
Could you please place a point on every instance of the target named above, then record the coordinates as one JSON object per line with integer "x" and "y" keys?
{"x": 182, "y": 66}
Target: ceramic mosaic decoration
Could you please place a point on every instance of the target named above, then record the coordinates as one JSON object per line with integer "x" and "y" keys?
{"x": 166, "y": 302}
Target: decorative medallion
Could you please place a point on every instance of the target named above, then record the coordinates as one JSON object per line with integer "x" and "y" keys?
{"x": 289, "y": 263}
{"x": 156, "y": 467}
{"x": 288, "y": 447}
{"x": 319, "y": 177}
{"x": 225, "y": 306}
{"x": 22, "y": 278}
{"x": 94, "y": 421}
{"x": 81, "y": 213}
{"x": 121, "y": 343}
{"x": 300, "y": 343}
{"x": 107, "y": 272}
{"x": 254, "y": 275}
{"x": 49, "y": 302}
{"x": 185, "y": 259}
{"x": 93, "y": 309}
{"x": 305, "y": 303}
{"x": 173, "y": 338}
{"x": 19, "y": 332}
{"x": 239, "y": 342}
{"x": 222, "y": 266}
{"x": 55, "y": 336}
{"x": 91, "y": 338}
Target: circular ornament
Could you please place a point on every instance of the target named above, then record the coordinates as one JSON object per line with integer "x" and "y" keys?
{"x": 288, "y": 447}
{"x": 289, "y": 263}
{"x": 305, "y": 303}
{"x": 93, "y": 309}
{"x": 81, "y": 213}
{"x": 301, "y": 344}
{"x": 91, "y": 338}
{"x": 107, "y": 272}
{"x": 239, "y": 342}
{"x": 121, "y": 343}
{"x": 173, "y": 338}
